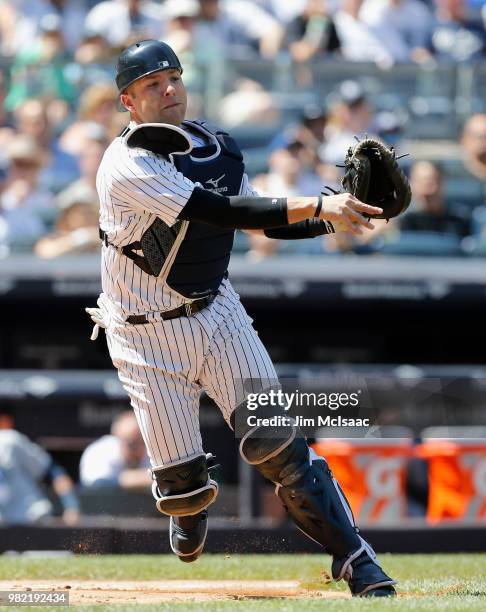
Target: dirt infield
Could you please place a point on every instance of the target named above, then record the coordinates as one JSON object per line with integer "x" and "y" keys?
{"x": 153, "y": 592}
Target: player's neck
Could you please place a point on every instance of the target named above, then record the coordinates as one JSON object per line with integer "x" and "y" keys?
{"x": 135, "y": 119}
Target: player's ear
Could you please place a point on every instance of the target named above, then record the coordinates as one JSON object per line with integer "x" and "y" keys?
{"x": 127, "y": 102}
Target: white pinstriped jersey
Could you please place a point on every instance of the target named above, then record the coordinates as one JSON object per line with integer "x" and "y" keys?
{"x": 135, "y": 186}
{"x": 164, "y": 365}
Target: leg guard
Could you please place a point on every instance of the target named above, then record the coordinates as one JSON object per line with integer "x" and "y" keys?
{"x": 316, "y": 503}
{"x": 184, "y": 489}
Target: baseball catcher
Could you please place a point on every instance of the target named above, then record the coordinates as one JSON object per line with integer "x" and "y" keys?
{"x": 172, "y": 193}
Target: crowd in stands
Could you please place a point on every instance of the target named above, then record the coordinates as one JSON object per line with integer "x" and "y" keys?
{"x": 58, "y": 106}
{"x": 118, "y": 459}
{"x": 422, "y": 477}
{"x": 34, "y": 487}
{"x": 28, "y": 476}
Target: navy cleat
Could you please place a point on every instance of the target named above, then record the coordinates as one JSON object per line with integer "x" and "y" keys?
{"x": 386, "y": 591}
{"x": 365, "y": 577}
{"x": 187, "y": 535}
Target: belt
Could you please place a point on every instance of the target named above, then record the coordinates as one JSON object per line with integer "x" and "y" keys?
{"x": 186, "y": 310}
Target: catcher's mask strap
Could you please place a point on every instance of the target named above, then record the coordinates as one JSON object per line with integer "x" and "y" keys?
{"x": 161, "y": 138}
{"x": 319, "y": 207}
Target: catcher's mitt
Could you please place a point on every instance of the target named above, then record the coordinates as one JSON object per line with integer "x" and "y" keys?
{"x": 373, "y": 175}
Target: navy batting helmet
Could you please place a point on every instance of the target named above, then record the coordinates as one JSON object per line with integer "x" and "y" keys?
{"x": 142, "y": 58}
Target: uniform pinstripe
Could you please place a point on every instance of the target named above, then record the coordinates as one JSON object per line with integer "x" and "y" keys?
{"x": 165, "y": 365}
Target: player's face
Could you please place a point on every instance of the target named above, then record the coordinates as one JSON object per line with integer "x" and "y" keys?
{"x": 157, "y": 98}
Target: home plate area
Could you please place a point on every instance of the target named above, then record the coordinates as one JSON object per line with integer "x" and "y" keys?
{"x": 154, "y": 591}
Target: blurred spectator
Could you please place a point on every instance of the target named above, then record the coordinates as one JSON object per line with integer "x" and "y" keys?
{"x": 238, "y": 27}
{"x": 118, "y": 459}
{"x": 455, "y": 38}
{"x": 24, "y": 468}
{"x": 119, "y": 21}
{"x": 118, "y": 123}
{"x": 97, "y": 108}
{"x": 5, "y": 118}
{"x": 181, "y": 18}
{"x": 248, "y": 104}
{"x": 84, "y": 189}
{"x": 20, "y": 21}
{"x": 8, "y": 18}
{"x": 389, "y": 126}
{"x": 25, "y": 207}
{"x": 61, "y": 168}
{"x": 308, "y": 137}
{"x": 93, "y": 61}
{"x": 6, "y": 130}
{"x": 76, "y": 231}
{"x": 93, "y": 49}
{"x": 287, "y": 175}
{"x": 350, "y": 116}
{"x": 261, "y": 247}
{"x": 77, "y": 227}
{"x": 98, "y": 103}
{"x": 359, "y": 42}
{"x": 283, "y": 11}
{"x": 310, "y": 131}
{"x": 407, "y": 25}
{"x": 429, "y": 211}
{"x": 368, "y": 243}
{"x": 39, "y": 69}
{"x": 473, "y": 143}
{"x": 312, "y": 34}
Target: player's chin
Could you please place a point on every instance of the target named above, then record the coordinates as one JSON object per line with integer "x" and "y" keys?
{"x": 173, "y": 114}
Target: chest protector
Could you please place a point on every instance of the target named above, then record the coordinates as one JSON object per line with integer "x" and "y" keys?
{"x": 193, "y": 257}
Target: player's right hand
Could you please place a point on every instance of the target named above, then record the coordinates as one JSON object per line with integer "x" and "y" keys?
{"x": 343, "y": 210}
{"x": 99, "y": 316}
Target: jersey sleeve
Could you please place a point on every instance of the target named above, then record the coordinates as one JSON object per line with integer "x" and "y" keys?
{"x": 150, "y": 183}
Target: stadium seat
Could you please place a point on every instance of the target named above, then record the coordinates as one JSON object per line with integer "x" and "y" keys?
{"x": 478, "y": 221}
{"x": 427, "y": 244}
{"x": 240, "y": 244}
{"x": 473, "y": 246}
{"x": 464, "y": 190}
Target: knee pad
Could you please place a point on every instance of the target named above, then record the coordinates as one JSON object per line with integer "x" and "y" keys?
{"x": 274, "y": 449}
{"x": 185, "y": 489}
{"x": 259, "y": 444}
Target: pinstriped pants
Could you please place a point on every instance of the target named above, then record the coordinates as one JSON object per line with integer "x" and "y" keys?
{"x": 165, "y": 365}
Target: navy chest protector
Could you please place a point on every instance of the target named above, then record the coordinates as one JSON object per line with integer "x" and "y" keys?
{"x": 193, "y": 257}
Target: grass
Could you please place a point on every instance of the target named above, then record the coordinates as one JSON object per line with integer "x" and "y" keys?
{"x": 426, "y": 582}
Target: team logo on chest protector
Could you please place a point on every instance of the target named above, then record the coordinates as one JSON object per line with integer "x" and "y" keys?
{"x": 215, "y": 185}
